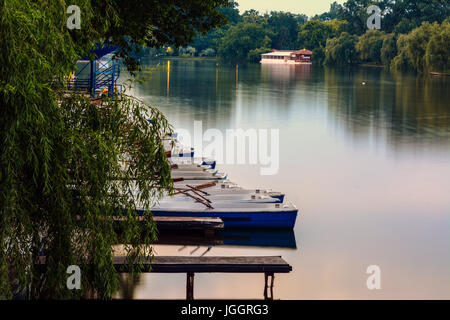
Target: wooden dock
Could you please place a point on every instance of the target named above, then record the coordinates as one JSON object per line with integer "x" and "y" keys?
{"x": 188, "y": 223}
{"x": 268, "y": 265}
{"x": 209, "y": 225}
{"x": 182, "y": 264}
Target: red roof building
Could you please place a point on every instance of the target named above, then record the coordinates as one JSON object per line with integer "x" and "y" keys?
{"x": 302, "y": 56}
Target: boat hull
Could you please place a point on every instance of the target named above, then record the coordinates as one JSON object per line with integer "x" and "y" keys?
{"x": 240, "y": 219}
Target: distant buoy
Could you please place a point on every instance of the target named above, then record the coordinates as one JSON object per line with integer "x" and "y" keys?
{"x": 363, "y": 83}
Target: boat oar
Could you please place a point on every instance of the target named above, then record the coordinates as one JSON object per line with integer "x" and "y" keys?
{"x": 195, "y": 189}
{"x": 202, "y": 200}
{"x": 186, "y": 192}
{"x": 203, "y": 186}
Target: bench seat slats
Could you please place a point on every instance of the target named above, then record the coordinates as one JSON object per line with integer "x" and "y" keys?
{"x": 177, "y": 264}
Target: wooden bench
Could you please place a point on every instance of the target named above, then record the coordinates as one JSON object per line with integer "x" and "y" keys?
{"x": 269, "y": 265}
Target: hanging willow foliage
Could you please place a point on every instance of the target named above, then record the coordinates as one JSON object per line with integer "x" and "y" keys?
{"x": 68, "y": 164}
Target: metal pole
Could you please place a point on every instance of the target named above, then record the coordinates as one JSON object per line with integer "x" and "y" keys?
{"x": 92, "y": 84}
{"x": 113, "y": 73}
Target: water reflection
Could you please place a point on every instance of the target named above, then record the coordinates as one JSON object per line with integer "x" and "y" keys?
{"x": 364, "y": 154}
{"x": 128, "y": 284}
{"x": 397, "y": 107}
{"x": 366, "y": 101}
{"x": 231, "y": 237}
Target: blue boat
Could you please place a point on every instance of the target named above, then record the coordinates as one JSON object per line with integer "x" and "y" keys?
{"x": 211, "y": 163}
{"x": 234, "y": 215}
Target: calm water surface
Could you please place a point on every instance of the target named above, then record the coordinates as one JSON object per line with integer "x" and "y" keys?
{"x": 367, "y": 165}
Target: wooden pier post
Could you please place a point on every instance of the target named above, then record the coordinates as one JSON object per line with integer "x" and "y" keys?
{"x": 266, "y": 285}
{"x": 190, "y": 286}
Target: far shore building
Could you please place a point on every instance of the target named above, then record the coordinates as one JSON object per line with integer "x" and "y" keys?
{"x": 287, "y": 57}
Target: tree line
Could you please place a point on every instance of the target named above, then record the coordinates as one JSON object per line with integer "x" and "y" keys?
{"x": 414, "y": 35}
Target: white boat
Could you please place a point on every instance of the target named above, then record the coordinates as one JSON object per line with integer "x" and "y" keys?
{"x": 191, "y": 167}
{"x": 177, "y": 150}
{"x": 215, "y": 198}
{"x": 222, "y": 187}
{"x": 192, "y": 160}
{"x": 199, "y": 175}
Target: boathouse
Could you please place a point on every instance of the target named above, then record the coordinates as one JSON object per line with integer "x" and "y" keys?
{"x": 302, "y": 56}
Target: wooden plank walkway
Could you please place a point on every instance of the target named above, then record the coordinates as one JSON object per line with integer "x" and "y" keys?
{"x": 207, "y": 224}
{"x": 188, "y": 223}
{"x": 269, "y": 265}
{"x": 177, "y": 264}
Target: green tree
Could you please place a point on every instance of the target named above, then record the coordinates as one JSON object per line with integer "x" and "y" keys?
{"x": 150, "y": 23}
{"x": 254, "y": 55}
{"x": 355, "y": 12}
{"x": 424, "y": 49}
{"x": 208, "y": 53}
{"x": 417, "y": 43}
{"x": 333, "y": 13}
{"x": 405, "y": 15}
{"x": 400, "y": 16}
{"x": 388, "y": 49}
{"x": 369, "y": 46}
{"x": 285, "y": 28}
{"x": 212, "y": 38}
{"x": 253, "y": 16}
{"x": 187, "y": 51}
{"x": 231, "y": 12}
{"x": 301, "y": 18}
{"x": 401, "y": 61}
{"x": 405, "y": 26}
{"x": 318, "y": 55}
{"x": 438, "y": 49}
{"x": 341, "y": 50}
{"x": 241, "y": 39}
{"x": 68, "y": 165}
{"x": 314, "y": 33}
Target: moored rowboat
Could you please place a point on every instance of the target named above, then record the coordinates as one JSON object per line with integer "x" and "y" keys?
{"x": 239, "y": 215}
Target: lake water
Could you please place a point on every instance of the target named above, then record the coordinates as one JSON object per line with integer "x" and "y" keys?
{"x": 365, "y": 156}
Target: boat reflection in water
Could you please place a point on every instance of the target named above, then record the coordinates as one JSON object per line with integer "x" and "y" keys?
{"x": 231, "y": 237}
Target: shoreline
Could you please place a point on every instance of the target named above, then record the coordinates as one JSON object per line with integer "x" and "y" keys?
{"x": 371, "y": 65}
{"x": 439, "y": 74}
{"x": 190, "y": 58}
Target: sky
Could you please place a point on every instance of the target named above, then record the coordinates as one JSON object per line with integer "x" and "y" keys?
{"x": 308, "y": 7}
